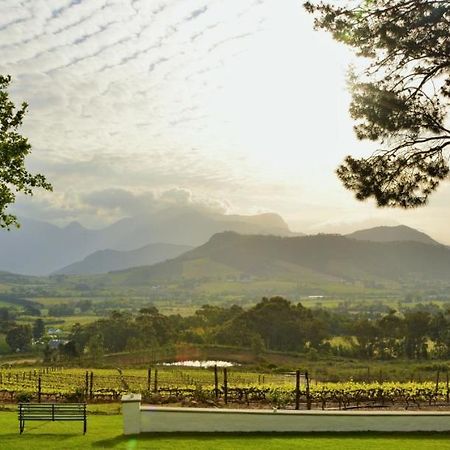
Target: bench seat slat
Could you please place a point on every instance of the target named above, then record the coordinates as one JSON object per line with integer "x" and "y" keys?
{"x": 62, "y": 411}
{"x": 49, "y": 419}
{"x": 51, "y": 416}
{"x": 65, "y": 411}
{"x": 49, "y": 406}
{"x": 50, "y": 409}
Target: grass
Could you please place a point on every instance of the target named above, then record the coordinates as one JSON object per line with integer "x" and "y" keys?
{"x": 105, "y": 431}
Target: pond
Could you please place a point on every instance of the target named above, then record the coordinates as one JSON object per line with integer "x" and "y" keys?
{"x": 203, "y": 364}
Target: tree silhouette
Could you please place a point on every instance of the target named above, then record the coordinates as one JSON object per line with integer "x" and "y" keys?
{"x": 400, "y": 99}
{"x": 14, "y": 177}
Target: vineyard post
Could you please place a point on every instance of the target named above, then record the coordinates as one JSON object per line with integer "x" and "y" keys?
{"x": 86, "y": 385}
{"x": 225, "y": 385}
{"x": 446, "y": 382}
{"x": 155, "y": 385}
{"x": 149, "y": 379}
{"x": 39, "y": 389}
{"x": 1, "y": 378}
{"x": 297, "y": 389}
{"x": 308, "y": 398}
{"x": 216, "y": 382}
{"x": 437, "y": 381}
{"x": 91, "y": 385}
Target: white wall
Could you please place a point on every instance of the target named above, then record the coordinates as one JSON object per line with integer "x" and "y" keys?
{"x": 139, "y": 419}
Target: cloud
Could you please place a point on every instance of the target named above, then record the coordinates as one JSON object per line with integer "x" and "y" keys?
{"x": 101, "y": 207}
{"x": 177, "y": 196}
{"x": 114, "y": 91}
{"x": 122, "y": 202}
{"x": 140, "y": 104}
{"x": 197, "y": 12}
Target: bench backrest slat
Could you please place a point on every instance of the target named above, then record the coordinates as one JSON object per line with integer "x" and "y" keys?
{"x": 52, "y": 410}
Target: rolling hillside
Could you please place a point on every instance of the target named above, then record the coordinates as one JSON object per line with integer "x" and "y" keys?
{"x": 327, "y": 256}
{"x": 40, "y": 248}
{"x": 104, "y": 261}
{"x": 390, "y": 234}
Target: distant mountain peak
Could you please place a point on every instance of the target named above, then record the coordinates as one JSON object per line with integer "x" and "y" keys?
{"x": 224, "y": 236}
{"x": 319, "y": 257}
{"x": 36, "y": 248}
{"x": 74, "y": 225}
{"x": 393, "y": 233}
{"x": 103, "y": 261}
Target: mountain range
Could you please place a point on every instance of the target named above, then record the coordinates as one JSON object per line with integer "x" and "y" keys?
{"x": 40, "y": 248}
{"x": 230, "y": 255}
{"x": 103, "y": 261}
{"x": 389, "y": 234}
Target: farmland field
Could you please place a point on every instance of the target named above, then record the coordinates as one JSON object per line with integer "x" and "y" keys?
{"x": 169, "y": 384}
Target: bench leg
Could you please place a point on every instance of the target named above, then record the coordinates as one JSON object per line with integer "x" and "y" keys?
{"x": 21, "y": 426}
{"x": 85, "y": 426}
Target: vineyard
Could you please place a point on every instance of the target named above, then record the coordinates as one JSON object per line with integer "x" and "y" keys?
{"x": 215, "y": 387}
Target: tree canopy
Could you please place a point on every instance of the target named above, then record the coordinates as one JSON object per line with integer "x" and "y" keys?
{"x": 400, "y": 99}
{"x": 14, "y": 148}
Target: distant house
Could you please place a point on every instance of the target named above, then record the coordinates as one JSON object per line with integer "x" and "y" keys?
{"x": 54, "y": 331}
{"x": 53, "y": 344}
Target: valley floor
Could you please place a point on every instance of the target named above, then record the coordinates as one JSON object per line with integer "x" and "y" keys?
{"x": 104, "y": 431}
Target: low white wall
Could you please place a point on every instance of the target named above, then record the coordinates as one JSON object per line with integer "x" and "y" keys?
{"x": 140, "y": 419}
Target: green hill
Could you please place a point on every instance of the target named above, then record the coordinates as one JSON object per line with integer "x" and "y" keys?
{"x": 390, "y": 234}
{"x": 104, "y": 261}
{"x": 325, "y": 257}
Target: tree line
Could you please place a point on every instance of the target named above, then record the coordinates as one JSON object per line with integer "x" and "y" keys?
{"x": 274, "y": 324}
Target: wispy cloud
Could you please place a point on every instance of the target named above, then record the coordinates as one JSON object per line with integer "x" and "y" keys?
{"x": 239, "y": 101}
{"x": 106, "y": 80}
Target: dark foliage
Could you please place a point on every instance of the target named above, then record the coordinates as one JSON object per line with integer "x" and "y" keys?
{"x": 14, "y": 148}
{"x": 402, "y": 97}
{"x": 274, "y": 324}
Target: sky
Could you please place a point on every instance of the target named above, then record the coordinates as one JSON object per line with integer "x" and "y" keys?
{"x": 238, "y": 106}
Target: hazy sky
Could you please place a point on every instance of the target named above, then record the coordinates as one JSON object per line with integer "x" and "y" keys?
{"x": 235, "y": 104}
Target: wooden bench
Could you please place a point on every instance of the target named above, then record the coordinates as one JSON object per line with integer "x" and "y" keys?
{"x": 52, "y": 412}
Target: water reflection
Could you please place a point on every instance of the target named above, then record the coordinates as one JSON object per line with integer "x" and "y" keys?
{"x": 197, "y": 363}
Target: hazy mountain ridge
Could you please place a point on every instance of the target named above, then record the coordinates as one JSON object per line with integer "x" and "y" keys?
{"x": 327, "y": 255}
{"x": 40, "y": 248}
{"x": 392, "y": 233}
{"x": 103, "y": 261}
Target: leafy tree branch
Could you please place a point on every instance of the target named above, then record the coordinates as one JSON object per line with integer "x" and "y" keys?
{"x": 401, "y": 98}
{"x": 14, "y": 148}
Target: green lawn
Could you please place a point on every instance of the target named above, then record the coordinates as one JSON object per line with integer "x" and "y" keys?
{"x": 104, "y": 431}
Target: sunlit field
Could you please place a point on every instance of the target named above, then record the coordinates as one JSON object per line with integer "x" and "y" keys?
{"x": 196, "y": 386}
